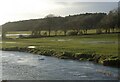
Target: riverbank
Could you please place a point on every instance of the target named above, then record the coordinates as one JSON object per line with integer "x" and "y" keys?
{"x": 100, "y": 59}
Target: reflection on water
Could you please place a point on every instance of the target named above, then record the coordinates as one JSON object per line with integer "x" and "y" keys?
{"x": 25, "y": 66}
{"x": 16, "y": 35}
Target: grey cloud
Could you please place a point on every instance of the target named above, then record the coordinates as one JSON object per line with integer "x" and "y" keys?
{"x": 86, "y": 6}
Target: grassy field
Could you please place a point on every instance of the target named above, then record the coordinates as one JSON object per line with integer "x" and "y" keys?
{"x": 103, "y": 44}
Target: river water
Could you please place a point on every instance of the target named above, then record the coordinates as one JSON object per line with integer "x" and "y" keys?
{"x": 26, "y": 66}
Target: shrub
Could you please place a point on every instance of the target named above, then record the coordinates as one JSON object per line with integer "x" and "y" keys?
{"x": 112, "y": 62}
{"x": 72, "y": 33}
{"x": 44, "y": 33}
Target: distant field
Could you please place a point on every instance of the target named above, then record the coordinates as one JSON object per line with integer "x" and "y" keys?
{"x": 105, "y": 44}
{"x": 60, "y": 32}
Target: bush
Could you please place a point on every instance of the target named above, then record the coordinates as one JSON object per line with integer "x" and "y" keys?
{"x": 72, "y": 33}
{"x": 112, "y": 62}
{"x": 44, "y": 33}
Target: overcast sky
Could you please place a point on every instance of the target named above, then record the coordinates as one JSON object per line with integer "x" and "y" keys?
{"x": 15, "y": 10}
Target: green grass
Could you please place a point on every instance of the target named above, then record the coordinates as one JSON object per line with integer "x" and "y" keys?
{"x": 102, "y": 44}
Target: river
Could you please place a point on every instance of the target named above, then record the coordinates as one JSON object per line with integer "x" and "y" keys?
{"x": 26, "y": 66}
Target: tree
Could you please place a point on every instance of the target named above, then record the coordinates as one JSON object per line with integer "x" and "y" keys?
{"x": 50, "y": 22}
{"x": 110, "y": 21}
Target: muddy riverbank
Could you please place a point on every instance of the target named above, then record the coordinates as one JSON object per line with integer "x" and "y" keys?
{"x": 101, "y": 59}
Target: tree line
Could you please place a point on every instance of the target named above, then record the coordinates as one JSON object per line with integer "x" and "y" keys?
{"x": 79, "y": 24}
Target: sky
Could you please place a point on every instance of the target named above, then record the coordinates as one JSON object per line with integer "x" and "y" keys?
{"x": 15, "y": 10}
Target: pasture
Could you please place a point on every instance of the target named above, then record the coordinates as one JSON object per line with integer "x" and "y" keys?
{"x": 102, "y": 44}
